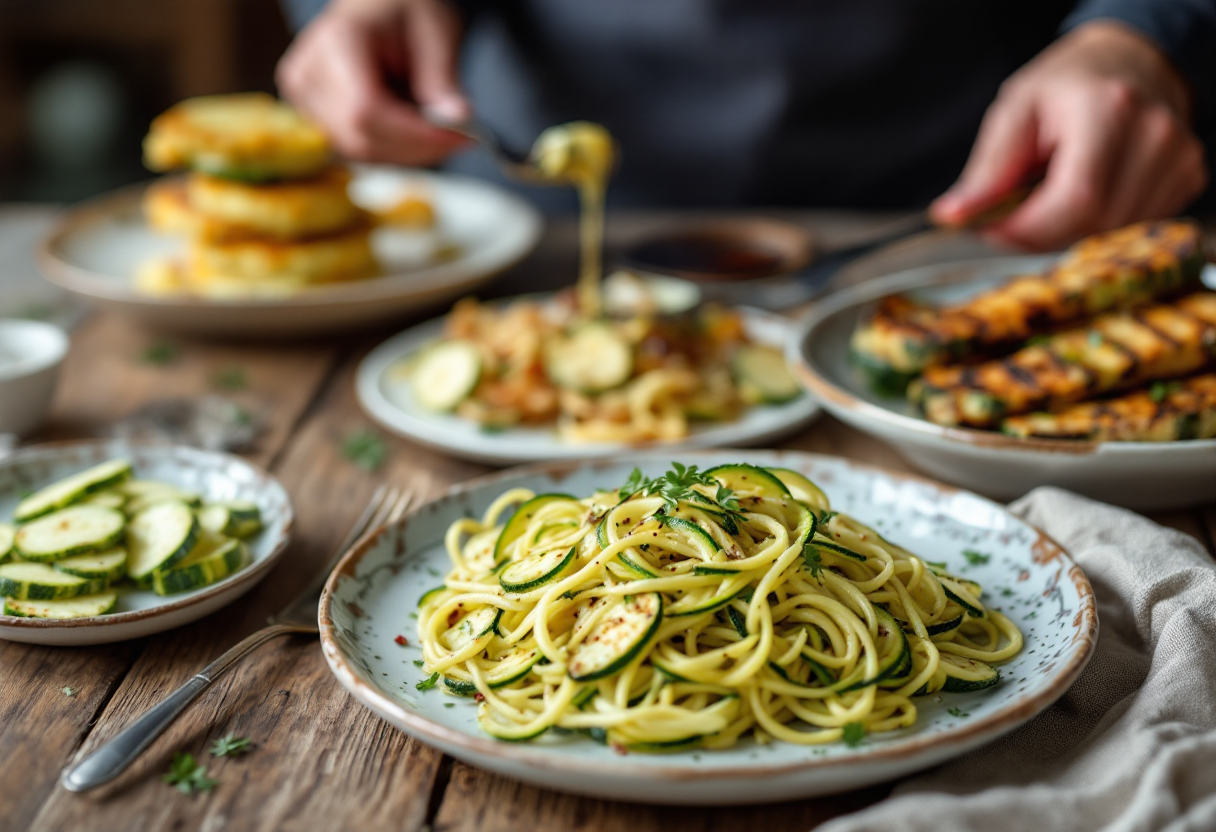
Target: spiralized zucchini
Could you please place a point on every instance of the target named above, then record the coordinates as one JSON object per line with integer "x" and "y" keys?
{"x": 695, "y": 609}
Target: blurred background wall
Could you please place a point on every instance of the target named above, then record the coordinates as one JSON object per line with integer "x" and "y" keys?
{"x": 81, "y": 79}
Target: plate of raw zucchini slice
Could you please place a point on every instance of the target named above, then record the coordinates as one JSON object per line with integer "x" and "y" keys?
{"x": 104, "y": 541}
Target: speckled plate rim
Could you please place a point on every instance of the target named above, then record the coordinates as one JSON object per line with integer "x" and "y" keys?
{"x": 963, "y": 738}
{"x": 833, "y": 396}
{"x": 457, "y": 275}
{"x": 505, "y": 448}
{"x": 248, "y": 575}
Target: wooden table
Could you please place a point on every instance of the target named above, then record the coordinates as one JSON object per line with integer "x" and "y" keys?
{"x": 320, "y": 760}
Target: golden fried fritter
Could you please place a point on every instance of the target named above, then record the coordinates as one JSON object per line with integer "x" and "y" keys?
{"x": 286, "y": 210}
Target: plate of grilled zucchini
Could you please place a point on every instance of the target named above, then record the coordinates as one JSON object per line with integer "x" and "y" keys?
{"x": 1094, "y": 370}
{"x": 104, "y": 541}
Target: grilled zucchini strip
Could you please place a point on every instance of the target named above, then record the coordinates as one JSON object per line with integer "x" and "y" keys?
{"x": 1116, "y": 351}
{"x": 1120, "y": 269}
{"x": 1165, "y": 412}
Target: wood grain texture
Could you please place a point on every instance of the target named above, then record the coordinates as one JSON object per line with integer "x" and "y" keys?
{"x": 478, "y": 801}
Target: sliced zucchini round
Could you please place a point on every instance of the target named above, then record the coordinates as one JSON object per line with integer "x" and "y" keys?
{"x": 84, "y": 606}
{"x": 446, "y": 374}
{"x": 703, "y": 537}
{"x": 212, "y": 560}
{"x": 749, "y": 480}
{"x": 961, "y": 596}
{"x": 763, "y": 375}
{"x": 634, "y": 565}
{"x": 477, "y": 624}
{"x": 109, "y": 566}
{"x": 7, "y": 534}
{"x": 71, "y": 489}
{"x": 105, "y": 499}
{"x": 619, "y": 637}
{"x": 234, "y": 518}
{"x": 429, "y": 595}
{"x": 591, "y": 359}
{"x": 944, "y": 626}
{"x": 536, "y": 571}
{"x": 40, "y": 582}
{"x": 518, "y": 524}
{"x": 70, "y": 531}
{"x": 510, "y": 668}
{"x": 690, "y": 604}
{"x": 964, "y": 675}
{"x": 159, "y": 537}
{"x": 836, "y": 548}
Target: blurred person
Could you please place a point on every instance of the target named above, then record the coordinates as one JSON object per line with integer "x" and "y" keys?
{"x": 840, "y": 103}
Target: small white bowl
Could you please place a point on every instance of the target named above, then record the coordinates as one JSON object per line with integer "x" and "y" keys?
{"x": 30, "y": 355}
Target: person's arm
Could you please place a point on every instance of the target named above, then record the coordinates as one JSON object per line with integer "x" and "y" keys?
{"x": 361, "y": 69}
{"x": 1107, "y": 113}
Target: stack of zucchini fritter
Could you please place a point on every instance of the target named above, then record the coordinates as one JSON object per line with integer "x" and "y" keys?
{"x": 265, "y": 207}
{"x": 1056, "y": 354}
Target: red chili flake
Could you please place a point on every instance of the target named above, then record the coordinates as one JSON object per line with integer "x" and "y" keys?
{"x": 402, "y": 640}
{"x": 619, "y": 749}
{"x": 479, "y": 697}
{"x": 453, "y": 617}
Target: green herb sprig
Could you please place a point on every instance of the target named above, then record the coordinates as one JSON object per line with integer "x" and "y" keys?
{"x": 676, "y": 485}
{"x": 853, "y": 733}
{"x": 366, "y": 449}
{"x": 230, "y": 746}
{"x": 976, "y": 558}
{"x": 187, "y": 775}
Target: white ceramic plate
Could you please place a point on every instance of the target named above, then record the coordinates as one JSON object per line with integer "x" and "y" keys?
{"x": 215, "y": 475}
{"x": 96, "y": 249}
{"x": 371, "y": 594}
{"x": 1140, "y": 475}
{"x": 385, "y": 394}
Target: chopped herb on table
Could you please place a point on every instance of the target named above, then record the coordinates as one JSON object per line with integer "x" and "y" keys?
{"x": 976, "y": 558}
{"x": 160, "y": 353}
{"x": 366, "y": 449}
{"x": 853, "y": 733}
{"x": 230, "y": 746}
{"x": 70, "y": 691}
{"x": 187, "y": 775}
{"x": 230, "y": 378}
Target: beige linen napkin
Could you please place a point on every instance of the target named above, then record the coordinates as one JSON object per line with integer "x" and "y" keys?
{"x": 1132, "y": 746}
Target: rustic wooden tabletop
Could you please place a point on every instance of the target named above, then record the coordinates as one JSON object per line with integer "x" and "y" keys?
{"x": 320, "y": 761}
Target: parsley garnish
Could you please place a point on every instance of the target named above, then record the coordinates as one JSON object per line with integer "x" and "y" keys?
{"x": 366, "y": 449}
{"x": 958, "y": 712}
{"x": 160, "y": 353}
{"x": 810, "y": 555}
{"x": 230, "y": 378}
{"x": 419, "y": 662}
{"x": 853, "y": 733}
{"x": 230, "y": 746}
{"x": 631, "y": 485}
{"x": 429, "y": 682}
{"x": 676, "y": 485}
{"x": 187, "y": 775}
{"x": 976, "y": 558}
{"x": 827, "y": 517}
{"x": 70, "y": 691}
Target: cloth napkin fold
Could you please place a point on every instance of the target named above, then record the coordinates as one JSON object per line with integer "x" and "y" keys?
{"x": 1132, "y": 746}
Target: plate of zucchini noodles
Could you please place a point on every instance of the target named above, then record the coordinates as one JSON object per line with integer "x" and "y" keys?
{"x": 1094, "y": 370}
{"x": 726, "y": 627}
{"x": 105, "y": 541}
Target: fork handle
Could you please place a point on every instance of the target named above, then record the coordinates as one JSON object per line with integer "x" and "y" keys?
{"x": 113, "y": 757}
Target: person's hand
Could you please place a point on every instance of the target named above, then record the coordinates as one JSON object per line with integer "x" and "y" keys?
{"x": 343, "y": 69}
{"x": 1107, "y": 116}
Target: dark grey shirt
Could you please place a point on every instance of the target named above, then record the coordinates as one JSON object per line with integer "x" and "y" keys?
{"x": 847, "y": 103}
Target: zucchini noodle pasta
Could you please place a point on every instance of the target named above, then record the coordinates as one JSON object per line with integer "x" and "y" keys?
{"x": 697, "y": 608}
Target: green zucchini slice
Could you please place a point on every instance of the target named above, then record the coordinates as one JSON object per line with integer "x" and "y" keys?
{"x": 763, "y": 375}
{"x": 70, "y": 531}
{"x": 893, "y": 652}
{"x": 105, "y": 499}
{"x": 477, "y": 624}
{"x": 7, "y": 534}
{"x": 685, "y": 525}
{"x": 233, "y": 518}
{"x": 964, "y": 675}
{"x": 837, "y": 549}
{"x": 446, "y": 374}
{"x": 159, "y": 537}
{"x": 749, "y": 481}
{"x": 961, "y": 596}
{"x": 518, "y": 524}
{"x": 109, "y": 566}
{"x": 802, "y": 489}
{"x": 510, "y": 668}
{"x": 40, "y": 582}
{"x": 535, "y": 571}
{"x": 212, "y": 560}
{"x": 71, "y": 489}
{"x": 84, "y": 606}
{"x": 618, "y": 638}
{"x": 591, "y": 359}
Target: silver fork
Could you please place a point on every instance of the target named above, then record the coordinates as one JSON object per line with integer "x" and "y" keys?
{"x": 300, "y": 616}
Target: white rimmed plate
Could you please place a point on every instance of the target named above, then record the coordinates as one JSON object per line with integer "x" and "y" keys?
{"x": 97, "y": 248}
{"x": 215, "y": 475}
{"x": 1140, "y": 475}
{"x": 385, "y": 394}
{"x": 371, "y": 594}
